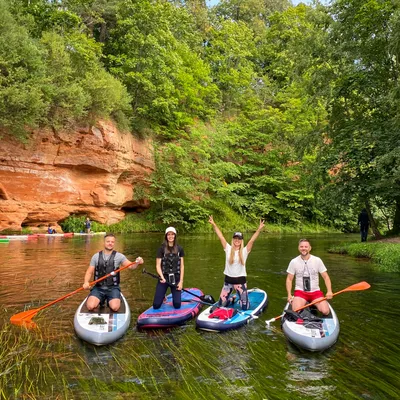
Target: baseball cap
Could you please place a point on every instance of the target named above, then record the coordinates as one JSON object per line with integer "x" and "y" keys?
{"x": 170, "y": 229}
{"x": 238, "y": 235}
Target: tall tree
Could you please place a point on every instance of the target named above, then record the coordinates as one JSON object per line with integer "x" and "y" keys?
{"x": 364, "y": 69}
{"x": 170, "y": 85}
{"x": 229, "y": 51}
{"x": 22, "y": 76}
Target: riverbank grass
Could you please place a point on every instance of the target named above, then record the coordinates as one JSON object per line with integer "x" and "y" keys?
{"x": 146, "y": 222}
{"x": 386, "y": 256}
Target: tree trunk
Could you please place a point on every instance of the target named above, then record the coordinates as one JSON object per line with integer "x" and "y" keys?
{"x": 372, "y": 222}
{"x": 396, "y": 220}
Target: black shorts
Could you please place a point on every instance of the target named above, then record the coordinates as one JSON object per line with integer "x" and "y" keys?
{"x": 235, "y": 280}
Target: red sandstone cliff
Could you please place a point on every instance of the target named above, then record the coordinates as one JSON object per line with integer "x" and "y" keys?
{"x": 91, "y": 171}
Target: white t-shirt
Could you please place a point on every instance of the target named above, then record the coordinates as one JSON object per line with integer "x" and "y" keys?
{"x": 311, "y": 267}
{"x": 236, "y": 269}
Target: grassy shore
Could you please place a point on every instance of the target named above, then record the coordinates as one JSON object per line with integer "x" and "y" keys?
{"x": 385, "y": 254}
{"x": 145, "y": 222}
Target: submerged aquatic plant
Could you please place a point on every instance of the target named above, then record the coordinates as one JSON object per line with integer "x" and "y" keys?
{"x": 28, "y": 367}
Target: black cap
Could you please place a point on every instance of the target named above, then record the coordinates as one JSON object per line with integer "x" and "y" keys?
{"x": 238, "y": 235}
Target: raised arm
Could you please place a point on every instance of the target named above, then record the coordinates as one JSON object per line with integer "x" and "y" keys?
{"x": 255, "y": 236}
{"x": 217, "y": 231}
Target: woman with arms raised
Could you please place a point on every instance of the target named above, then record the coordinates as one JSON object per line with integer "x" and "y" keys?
{"x": 235, "y": 265}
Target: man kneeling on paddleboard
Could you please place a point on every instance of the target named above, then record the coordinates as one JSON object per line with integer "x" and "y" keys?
{"x": 306, "y": 268}
{"x": 101, "y": 264}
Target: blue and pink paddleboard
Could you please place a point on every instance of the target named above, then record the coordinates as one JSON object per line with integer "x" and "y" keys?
{"x": 167, "y": 316}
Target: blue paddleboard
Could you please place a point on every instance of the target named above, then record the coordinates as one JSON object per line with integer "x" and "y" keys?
{"x": 167, "y": 316}
{"x": 258, "y": 302}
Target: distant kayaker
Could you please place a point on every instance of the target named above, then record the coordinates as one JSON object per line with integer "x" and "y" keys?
{"x": 50, "y": 229}
{"x": 235, "y": 265}
{"x": 88, "y": 225}
{"x": 363, "y": 221}
{"x": 101, "y": 264}
{"x": 170, "y": 268}
{"x": 306, "y": 268}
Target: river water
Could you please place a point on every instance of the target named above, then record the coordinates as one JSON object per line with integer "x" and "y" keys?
{"x": 254, "y": 362}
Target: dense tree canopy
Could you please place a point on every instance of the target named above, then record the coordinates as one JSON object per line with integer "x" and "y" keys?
{"x": 256, "y": 108}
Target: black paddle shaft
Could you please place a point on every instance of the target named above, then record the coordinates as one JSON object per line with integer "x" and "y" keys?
{"x": 207, "y": 299}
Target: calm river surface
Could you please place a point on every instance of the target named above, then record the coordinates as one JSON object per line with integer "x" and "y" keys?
{"x": 183, "y": 363}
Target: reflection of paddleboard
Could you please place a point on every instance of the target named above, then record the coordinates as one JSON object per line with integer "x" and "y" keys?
{"x": 258, "y": 302}
{"x": 167, "y": 316}
{"x": 102, "y": 326}
{"x": 311, "y": 333}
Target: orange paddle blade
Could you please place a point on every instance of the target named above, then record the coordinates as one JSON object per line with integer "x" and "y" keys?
{"x": 357, "y": 286}
{"x": 25, "y": 318}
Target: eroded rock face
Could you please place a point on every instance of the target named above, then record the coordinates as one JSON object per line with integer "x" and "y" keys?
{"x": 90, "y": 171}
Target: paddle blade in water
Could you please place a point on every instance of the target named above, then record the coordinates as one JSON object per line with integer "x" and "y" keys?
{"x": 25, "y": 319}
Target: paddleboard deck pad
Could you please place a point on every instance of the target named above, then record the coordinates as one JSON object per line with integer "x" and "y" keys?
{"x": 102, "y": 326}
{"x": 167, "y": 316}
{"x": 310, "y": 332}
{"x": 235, "y": 317}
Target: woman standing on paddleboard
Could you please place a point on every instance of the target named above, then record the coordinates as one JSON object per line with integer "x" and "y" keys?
{"x": 235, "y": 265}
{"x": 170, "y": 268}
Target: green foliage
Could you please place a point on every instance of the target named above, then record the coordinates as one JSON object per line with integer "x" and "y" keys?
{"x": 56, "y": 79}
{"x": 22, "y": 74}
{"x": 385, "y": 255}
{"x": 168, "y": 82}
{"x": 76, "y": 224}
{"x": 179, "y": 185}
{"x": 41, "y": 16}
{"x": 64, "y": 92}
{"x": 229, "y": 50}
{"x": 363, "y": 79}
{"x": 388, "y": 257}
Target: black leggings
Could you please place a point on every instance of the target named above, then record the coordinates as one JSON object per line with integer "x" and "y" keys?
{"x": 364, "y": 232}
{"x": 161, "y": 289}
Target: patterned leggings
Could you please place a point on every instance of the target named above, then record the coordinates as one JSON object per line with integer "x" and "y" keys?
{"x": 241, "y": 290}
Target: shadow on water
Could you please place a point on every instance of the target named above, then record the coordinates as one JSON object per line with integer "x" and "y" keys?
{"x": 253, "y": 362}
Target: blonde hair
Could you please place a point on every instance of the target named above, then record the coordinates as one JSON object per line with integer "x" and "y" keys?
{"x": 232, "y": 255}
